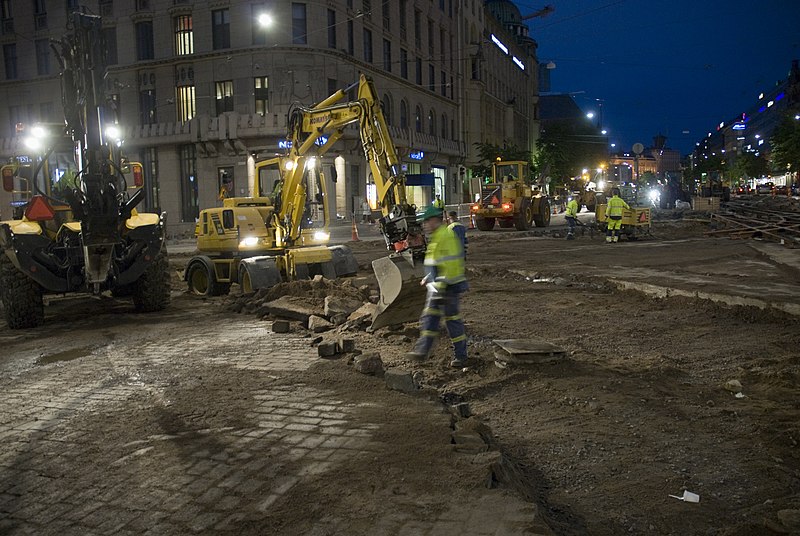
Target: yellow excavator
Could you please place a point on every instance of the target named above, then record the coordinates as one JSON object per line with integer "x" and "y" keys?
{"x": 260, "y": 241}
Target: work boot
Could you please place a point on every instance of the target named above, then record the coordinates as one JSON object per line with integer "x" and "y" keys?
{"x": 415, "y": 356}
{"x": 608, "y": 239}
{"x": 570, "y": 236}
{"x": 616, "y": 239}
{"x": 458, "y": 363}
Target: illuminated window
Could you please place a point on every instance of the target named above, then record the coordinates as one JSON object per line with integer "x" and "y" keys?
{"x": 261, "y": 92}
{"x": 224, "y": 96}
{"x": 184, "y": 36}
{"x": 185, "y": 102}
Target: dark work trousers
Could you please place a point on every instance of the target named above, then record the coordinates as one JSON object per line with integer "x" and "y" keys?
{"x": 437, "y": 305}
{"x": 571, "y": 223}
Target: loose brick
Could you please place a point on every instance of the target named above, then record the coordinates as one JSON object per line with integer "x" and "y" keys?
{"x": 280, "y": 326}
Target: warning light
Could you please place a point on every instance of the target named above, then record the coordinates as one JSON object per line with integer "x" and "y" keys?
{"x": 475, "y": 208}
{"x": 138, "y": 175}
{"x": 8, "y": 178}
{"x": 39, "y": 210}
{"x": 506, "y": 206}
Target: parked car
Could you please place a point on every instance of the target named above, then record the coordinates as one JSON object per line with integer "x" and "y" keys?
{"x": 782, "y": 190}
{"x": 744, "y": 189}
{"x": 765, "y": 188}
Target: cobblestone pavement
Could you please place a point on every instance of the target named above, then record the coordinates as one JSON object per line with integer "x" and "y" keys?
{"x": 193, "y": 421}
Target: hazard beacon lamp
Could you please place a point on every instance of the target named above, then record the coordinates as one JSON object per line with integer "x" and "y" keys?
{"x": 8, "y": 178}
{"x": 138, "y": 175}
{"x": 39, "y": 209}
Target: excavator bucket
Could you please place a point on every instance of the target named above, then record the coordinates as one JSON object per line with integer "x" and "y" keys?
{"x": 402, "y": 297}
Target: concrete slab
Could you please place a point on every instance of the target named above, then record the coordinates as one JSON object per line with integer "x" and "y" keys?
{"x": 527, "y": 351}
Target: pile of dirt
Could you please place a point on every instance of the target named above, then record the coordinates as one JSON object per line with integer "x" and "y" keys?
{"x": 312, "y": 292}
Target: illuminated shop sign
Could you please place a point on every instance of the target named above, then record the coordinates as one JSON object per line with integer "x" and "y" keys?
{"x": 416, "y": 155}
{"x": 518, "y": 62}
{"x": 739, "y": 126}
{"x": 286, "y": 144}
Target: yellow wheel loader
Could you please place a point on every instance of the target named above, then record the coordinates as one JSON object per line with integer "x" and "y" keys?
{"x": 510, "y": 200}
{"x": 261, "y": 240}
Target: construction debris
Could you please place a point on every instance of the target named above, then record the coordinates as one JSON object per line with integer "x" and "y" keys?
{"x": 768, "y": 218}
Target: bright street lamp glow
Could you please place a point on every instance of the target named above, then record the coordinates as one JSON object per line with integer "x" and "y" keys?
{"x": 38, "y": 132}
{"x": 288, "y": 165}
{"x": 590, "y": 115}
{"x": 112, "y": 132}
{"x": 265, "y": 20}
{"x": 34, "y": 144}
{"x": 614, "y": 144}
{"x": 599, "y": 170}
{"x": 604, "y": 132}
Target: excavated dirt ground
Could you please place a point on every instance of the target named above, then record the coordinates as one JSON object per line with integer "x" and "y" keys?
{"x": 637, "y": 410}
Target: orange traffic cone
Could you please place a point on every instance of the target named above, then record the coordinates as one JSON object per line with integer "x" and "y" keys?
{"x": 354, "y": 236}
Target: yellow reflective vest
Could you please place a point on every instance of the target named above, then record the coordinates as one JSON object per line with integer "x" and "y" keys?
{"x": 443, "y": 258}
{"x": 572, "y": 209}
{"x": 616, "y": 206}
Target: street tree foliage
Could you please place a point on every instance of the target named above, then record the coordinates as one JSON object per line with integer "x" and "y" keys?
{"x": 747, "y": 166}
{"x": 489, "y": 152}
{"x": 785, "y": 143}
{"x": 565, "y": 148}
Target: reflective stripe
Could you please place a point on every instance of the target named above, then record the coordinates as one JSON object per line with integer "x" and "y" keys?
{"x": 458, "y": 339}
{"x": 431, "y": 312}
{"x": 427, "y": 333}
{"x": 454, "y": 317}
{"x": 449, "y": 258}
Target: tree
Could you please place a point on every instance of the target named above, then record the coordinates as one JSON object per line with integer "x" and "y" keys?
{"x": 785, "y": 143}
{"x": 748, "y": 165}
{"x": 489, "y": 152}
{"x": 565, "y": 148}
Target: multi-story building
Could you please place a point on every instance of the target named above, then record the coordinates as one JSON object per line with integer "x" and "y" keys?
{"x": 750, "y": 131}
{"x": 201, "y": 89}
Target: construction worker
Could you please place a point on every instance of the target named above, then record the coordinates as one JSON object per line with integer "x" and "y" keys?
{"x": 438, "y": 203}
{"x": 445, "y": 279}
{"x": 573, "y": 207}
{"x": 460, "y": 231}
{"x": 614, "y": 209}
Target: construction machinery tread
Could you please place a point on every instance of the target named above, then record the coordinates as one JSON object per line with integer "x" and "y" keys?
{"x": 151, "y": 290}
{"x": 22, "y": 296}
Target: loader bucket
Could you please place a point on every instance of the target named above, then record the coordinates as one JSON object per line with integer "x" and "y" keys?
{"x": 402, "y": 297}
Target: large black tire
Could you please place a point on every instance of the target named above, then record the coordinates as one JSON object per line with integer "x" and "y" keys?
{"x": 22, "y": 296}
{"x": 524, "y": 218}
{"x": 542, "y": 216}
{"x": 484, "y": 224}
{"x": 151, "y": 290}
{"x": 506, "y": 223}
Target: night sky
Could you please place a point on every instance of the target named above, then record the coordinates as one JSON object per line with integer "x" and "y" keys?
{"x": 666, "y": 66}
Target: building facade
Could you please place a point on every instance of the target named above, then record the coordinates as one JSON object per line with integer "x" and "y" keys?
{"x": 201, "y": 89}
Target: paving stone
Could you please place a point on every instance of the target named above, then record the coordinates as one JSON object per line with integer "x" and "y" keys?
{"x": 292, "y": 307}
{"x": 346, "y": 345}
{"x": 370, "y": 364}
{"x": 326, "y": 349}
{"x": 400, "y": 380}
{"x": 280, "y": 326}
{"x": 317, "y": 324}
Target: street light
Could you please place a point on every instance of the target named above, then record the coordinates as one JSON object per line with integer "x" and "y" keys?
{"x": 265, "y": 20}
{"x": 604, "y": 132}
{"x": 590, "y": 115}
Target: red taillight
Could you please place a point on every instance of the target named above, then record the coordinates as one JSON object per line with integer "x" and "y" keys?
{"x": 506, "y": 206}
{"x": 39, "y": 210}
{"x": 8, "y": 178}
{"x": 138, "y": 175}
{"x": 475, "y": 208}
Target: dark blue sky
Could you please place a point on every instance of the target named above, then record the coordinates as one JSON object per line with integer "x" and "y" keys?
{"x": 666, "y": 66}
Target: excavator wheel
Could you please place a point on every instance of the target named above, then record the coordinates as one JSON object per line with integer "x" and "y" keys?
{"x": 22, "y": 296}
{"x": 151, "y": 290}
{"x": 203, "y": 282}
{"x": 484, "y": 224}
